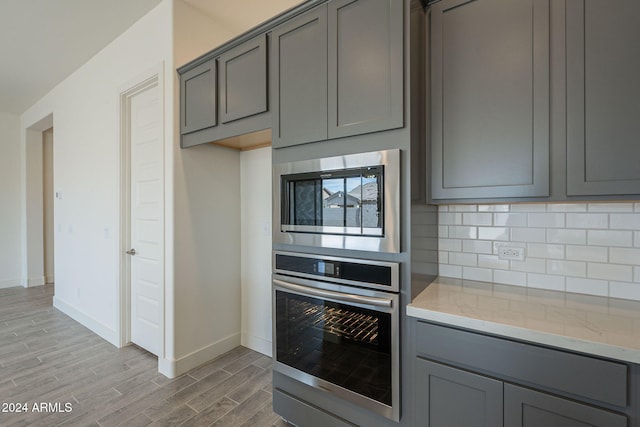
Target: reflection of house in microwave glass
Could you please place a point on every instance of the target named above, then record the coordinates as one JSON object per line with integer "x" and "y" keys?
{"x": 359, "y": 207}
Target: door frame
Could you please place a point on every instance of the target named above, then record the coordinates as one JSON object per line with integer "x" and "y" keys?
{"x": 149, "y": 80}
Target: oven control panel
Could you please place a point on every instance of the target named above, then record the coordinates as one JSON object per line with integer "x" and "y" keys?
{"x": 358, "y": 272}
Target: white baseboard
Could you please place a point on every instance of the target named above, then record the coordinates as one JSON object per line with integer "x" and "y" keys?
{"x": 9, "y": 283}
{"x": 35, "y": 281}
{"x": 173, "y": 367}
{"x": 98, "y": 327}
{"x": 258, "y": 344}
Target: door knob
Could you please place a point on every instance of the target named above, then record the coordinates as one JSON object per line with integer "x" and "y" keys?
{"x": 131, "y": 251}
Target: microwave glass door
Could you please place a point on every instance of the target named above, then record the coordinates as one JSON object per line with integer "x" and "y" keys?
{"x": 341, "y": 202}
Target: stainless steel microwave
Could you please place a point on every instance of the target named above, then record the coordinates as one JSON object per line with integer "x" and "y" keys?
{"x": 347, "y": 202}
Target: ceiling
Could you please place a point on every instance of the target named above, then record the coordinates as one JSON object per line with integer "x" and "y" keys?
{"x": 44, "y": 41}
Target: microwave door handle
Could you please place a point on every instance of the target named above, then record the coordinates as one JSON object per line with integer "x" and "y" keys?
{"x": 378, "y": 302}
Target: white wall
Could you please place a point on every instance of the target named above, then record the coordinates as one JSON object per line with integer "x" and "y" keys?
{"x": 86, "y": 166}
{"x": 206, "y": 277}
{"x": 589, "y": 248}
{"x": 10, "y": 207}
{"x": 47, "y": 180}
{"x": 255, "y": 178}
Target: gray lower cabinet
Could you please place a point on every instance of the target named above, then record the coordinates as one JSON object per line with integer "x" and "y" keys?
{"x": 490, "y": 98}
{"x": 530, "y": 408}
{"x": 603, "y": 93}
{"x": 467, "y": 379}
{"x": 198, "y": 98}
{"x": 299, "y": 79}
{"x": 451, "y": 397}
{"x": 243, "y": 80}
{"x": 338, "y": 71}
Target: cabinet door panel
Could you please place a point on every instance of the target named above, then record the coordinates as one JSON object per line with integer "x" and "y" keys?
{"x": 490, "y": 98}
{"x": 243, "y": 80}
{"x": 448, "y": 397}
{"x": 299, "y": 61}
{"x": 528, "y": 408}
{"x": 603, "y": 97}
{"x": 198, "y": 98}
{"x": 365, "y": 66}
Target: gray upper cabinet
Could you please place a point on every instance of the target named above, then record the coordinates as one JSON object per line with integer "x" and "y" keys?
{"x": 198, "y": 98}
{"x": 603, "y": 93}
{"x": 299, "y": 79}
{"x": 243, "y": 80}
{"x": 490, "y": 99}
{"x": 365, "y": 66}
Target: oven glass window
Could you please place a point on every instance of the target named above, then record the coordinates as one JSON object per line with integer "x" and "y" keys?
{"x": 339, "y": 343}
{"x": 345, "y": 199}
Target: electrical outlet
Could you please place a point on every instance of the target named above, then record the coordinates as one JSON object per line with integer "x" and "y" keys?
{"x": 515, "y": 253}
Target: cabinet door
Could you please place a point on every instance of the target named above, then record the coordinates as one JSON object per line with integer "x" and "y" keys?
{"x": 299, "y": 78}
{"x": 243, "y": 80}
{"x": 490, "y": 98}
{"x": 528, "y": 408}
{"x": 198, "y": 98}
{"x": 448, "y": 397}
{"x": 365, "y": 66}
{"x": 603, "y": 97}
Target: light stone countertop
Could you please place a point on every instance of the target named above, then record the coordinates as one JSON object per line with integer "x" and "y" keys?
{"x": 600, "y": 326}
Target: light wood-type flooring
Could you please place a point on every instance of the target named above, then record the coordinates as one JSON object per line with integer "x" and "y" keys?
{"x": 48, "y": 358}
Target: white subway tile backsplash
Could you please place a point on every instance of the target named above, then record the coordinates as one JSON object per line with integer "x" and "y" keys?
{"x": 528, "y": 235}
{"x": 574, "y": 237}
{"x": 610, "y": 238}
{"x": 510, "y": 219}
{"x": 492, "y": 261}
{"x": 587, "y": 286}
{"x": 543, "y": 250}
{"x": 493, "y": 233}
{"x": 481, "y": 274}
{"x": 452, "y": 245}
{"x": 461, "y": 258}
{"x": 530, "y": 265}
{"x": 463, "y": 208}
{"x": 567, "y": 268}
{"x": 624, "y": 256}
{"x": 553, "y": 220}
{"x": 625, "y": 221}
{"x": 590, "y": 248}
{"x": 567, "y": 207}
{"x": 528, "y": 207}
{"x": 624, "y": 290}
{"x": 610, "y": 207}
{"x": 463, "y": 232}
{"x": 447, "y": 270}
{"x": 621, "y": 273}
{"x": 474, "y": 218}
{"x": 587, "y": 253}
{"x": 477, "y": 246}
{"x": 493, "y": 208}
{"x": 515, "y": 278}
{"x": 545, "y": 281}
{"x": 578, "y": 220}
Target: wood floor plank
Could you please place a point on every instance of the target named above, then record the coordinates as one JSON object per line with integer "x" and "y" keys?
{"x": 45, "y": 356}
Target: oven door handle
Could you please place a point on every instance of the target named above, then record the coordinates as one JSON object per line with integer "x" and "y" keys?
{"x": 378, "y": 302}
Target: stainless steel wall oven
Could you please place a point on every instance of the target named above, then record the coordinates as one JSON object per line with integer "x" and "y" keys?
{"x": 336, "y": 327}
{"x": 348, "y": 202}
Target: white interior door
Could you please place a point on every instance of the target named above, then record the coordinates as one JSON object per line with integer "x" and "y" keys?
{"x": 147, "y": 219}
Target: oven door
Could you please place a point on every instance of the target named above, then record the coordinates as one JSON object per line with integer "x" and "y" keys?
{"x": 346, "y": 343}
